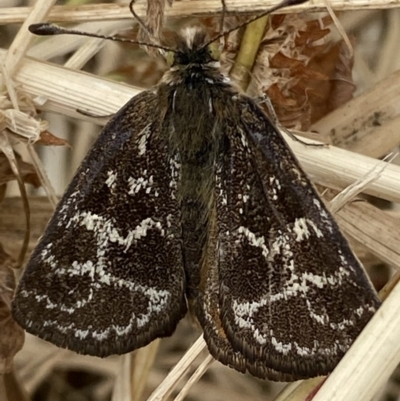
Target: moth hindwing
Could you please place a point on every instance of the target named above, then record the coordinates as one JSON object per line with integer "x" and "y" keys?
{"x": 190, "y": 194}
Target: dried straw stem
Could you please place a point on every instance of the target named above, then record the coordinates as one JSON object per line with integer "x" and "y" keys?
{"x": 184, "y": 8}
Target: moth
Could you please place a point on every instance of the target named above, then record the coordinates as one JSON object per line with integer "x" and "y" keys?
{"x": 190, "y": 199}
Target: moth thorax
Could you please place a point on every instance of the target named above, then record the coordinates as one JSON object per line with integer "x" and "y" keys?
{"x": 195, "y": 144}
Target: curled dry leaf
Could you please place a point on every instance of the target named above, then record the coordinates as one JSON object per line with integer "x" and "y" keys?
{"x": 304, "y": 74}
{"x": 49, "y": 139}
{"x": 24, "y": 126}
{"x": 27, "y": 170}
{"x": 12, "y": 335}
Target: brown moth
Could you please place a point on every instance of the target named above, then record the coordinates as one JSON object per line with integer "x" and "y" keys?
{"x": 190, "y": 196}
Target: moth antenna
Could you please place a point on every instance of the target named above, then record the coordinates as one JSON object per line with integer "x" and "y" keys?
{"x": 46, "y": 29}
{"x": 282, "y": 4}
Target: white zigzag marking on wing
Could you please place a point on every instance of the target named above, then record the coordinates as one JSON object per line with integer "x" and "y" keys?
{"x": 105, "y": 232}
{"x": 286, "y": 348}
{"x": 244, "y": 311}
{"x": 281, "y": 245}
{"x": 244, "y": 317}
{"x": 296, "y": 285}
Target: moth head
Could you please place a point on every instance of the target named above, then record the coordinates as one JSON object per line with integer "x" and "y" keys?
{"x": 193, "y": 47}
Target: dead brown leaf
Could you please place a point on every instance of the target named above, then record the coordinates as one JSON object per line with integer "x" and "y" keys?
{"x": 12, "y": 335}
{"x": 339, "y": 88}
{"x": 27, "y": 170}
{"x": 49, "y": 139}
{"x": 305, "y": 76}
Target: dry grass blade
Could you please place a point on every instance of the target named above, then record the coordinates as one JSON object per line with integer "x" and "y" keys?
{"x": 377, "y": 349}
{"x": 64, "y": 91}
{"x": 338, "y": 168}
{"x": 23, "y": 39}
{"x": 247, "y": 53}
{"x": 143, "y": 363}
{"x": 374, "y": 229}
{"x": 167, "y": 386}
{"x": 185, "y": 8}
{"x": 299, "y": 391}
{"x": 196, "y": 376}
{"x": 122, "y": 386}
{"x": 369, "y": 123}
{"x": 358, "y": 186}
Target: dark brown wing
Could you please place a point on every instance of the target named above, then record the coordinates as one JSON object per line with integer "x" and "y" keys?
{"x": 107, "y": 276}
{"x": 292, "y": 297}
{"x": 209, "y": 314}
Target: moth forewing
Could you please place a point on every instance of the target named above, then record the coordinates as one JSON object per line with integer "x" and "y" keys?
{"x": 296, "y": 296}
{"x": 190, "y": 191}
{"x": 107, "y": 276}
